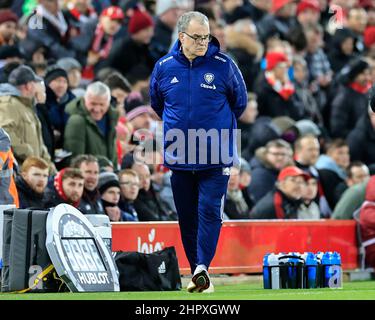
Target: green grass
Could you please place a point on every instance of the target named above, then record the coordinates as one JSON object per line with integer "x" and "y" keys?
{"x": 361, "y": 290}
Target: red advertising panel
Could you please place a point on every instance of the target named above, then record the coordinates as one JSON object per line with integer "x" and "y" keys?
{"x": 242, "y": 244}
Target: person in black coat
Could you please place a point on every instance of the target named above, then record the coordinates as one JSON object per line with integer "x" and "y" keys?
{"x": 280, "y": 22}
{"x": 89, "y": 167}
{"x": 58, "y": 96}
{"x": 167, "y": 13}
{"x": 32, "y": 182}
{"x": 42, "y": 113}
{"x": 243, "y": 45}
{"x": 361, "y": 139}
{"x": 285, "y": 200}
{"x": 341, "y": 49}
{"x": 148, "y": 205}
{"x": 67, "y": 188}
{"x": 265, "y": 167}
{"x": 351, "y": 101}
{"x": 236, "y": 205}
{"x": 134, "y": 49}
{"x": 276, "y": 94}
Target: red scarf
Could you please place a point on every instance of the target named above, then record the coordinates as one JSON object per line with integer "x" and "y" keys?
{"x": 88, "y": 71}
{"x": 58, "y": 183}
{"x": 97, "y": 46}
{"x": 285, "y": 90}
{"x": 359, "y": 88}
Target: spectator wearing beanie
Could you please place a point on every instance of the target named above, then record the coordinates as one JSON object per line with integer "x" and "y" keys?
{"x": 167, "y": 13}
{"x": 280, "y": 22}
{"x": 133, "y": 51}
{"x": 351, "y": 100}
{"x": 109, "y": 188}
{"x": 8, "y": 27}
{"x": 106, "y": 34}
{"x": 308, "y": 12}
{"x": 58, "y": 96}
{"x": 275, "y": 90}
{"x": 74, "y": 70}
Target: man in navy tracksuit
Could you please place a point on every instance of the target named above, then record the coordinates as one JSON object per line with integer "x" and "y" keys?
{"x": 197, "y": 90}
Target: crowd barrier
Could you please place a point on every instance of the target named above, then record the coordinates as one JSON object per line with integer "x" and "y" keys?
{"x": 242, "y": 244}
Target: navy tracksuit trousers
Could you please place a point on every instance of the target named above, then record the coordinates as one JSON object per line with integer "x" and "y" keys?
{"x": 199, "y": 197}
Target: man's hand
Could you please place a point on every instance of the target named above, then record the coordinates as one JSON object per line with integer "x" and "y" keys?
{"x": 114, "y": 213}
{"x": 93, "y": 58}
{"x": 40, "y": 92}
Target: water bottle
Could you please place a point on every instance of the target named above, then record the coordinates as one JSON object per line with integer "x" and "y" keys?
{"x": 295, "y": 270}
{"x": 292, "y": 270}
{"x": 328, "y": 272}
{"x": 300, "y": 271}
{"x": 336, "y": 272}
{"x": 320, "y": 275}
{"x": 266, "y": 272}
{"x": 311, "y": 274}
{"x": 284, "y": 269}
{"x": 273, "y": 263}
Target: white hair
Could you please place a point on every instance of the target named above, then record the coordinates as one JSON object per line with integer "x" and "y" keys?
{"x": 184, "y": 20}
{"x": 98, "y": 88}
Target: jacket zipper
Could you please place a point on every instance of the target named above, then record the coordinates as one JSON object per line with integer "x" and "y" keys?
{"x": 189, "y": 114}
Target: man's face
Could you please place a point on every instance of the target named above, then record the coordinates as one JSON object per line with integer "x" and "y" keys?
{"x": 36, "y": 178}
{"x": 300, "y": 72}
{"x": 278, "y": 157}
{"x": 357, "y": 20}
{"x": 281, "y": 71}
{"x": 73, "y": 188}
{"x": 74, "y": 77}
{"x": 287, "y": 11}
{"x": 129, "y": 187}
{"x": 310, "y": 190}
{"x": 341, "y": 156}
{"x": 144, "y": 36}
{"x": 309, "y": 17}
{"x": 90, "y": 171}
{"x": 110, "y": 27}
{"x": 309, "y": 151}
{"x": 112, "y": 195}
{"x": 97, "y": 106}
{"x": 293, "y": 187}
{"x": 51, "y": 5}
{"x": 59, "y": 86}
{"x": 234, "y": 179}
{"x": 120, "y": 96}
{"x": 363, "y": 78}
{"x": 144, "y": 175}
{"x": 8, "y": 30}
{"x": 195, "y": 48}
{"x": 359, "y": 174}
{"x": 347, "y": 46}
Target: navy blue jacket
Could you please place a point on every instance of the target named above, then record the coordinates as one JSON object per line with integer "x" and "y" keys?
{"x": 207, "y": 93}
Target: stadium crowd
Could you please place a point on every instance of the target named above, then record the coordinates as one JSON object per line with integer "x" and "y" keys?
{"x": 75, "y": 105}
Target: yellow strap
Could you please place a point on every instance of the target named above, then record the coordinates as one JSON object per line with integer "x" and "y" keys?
{"x": 38, "y": 278}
